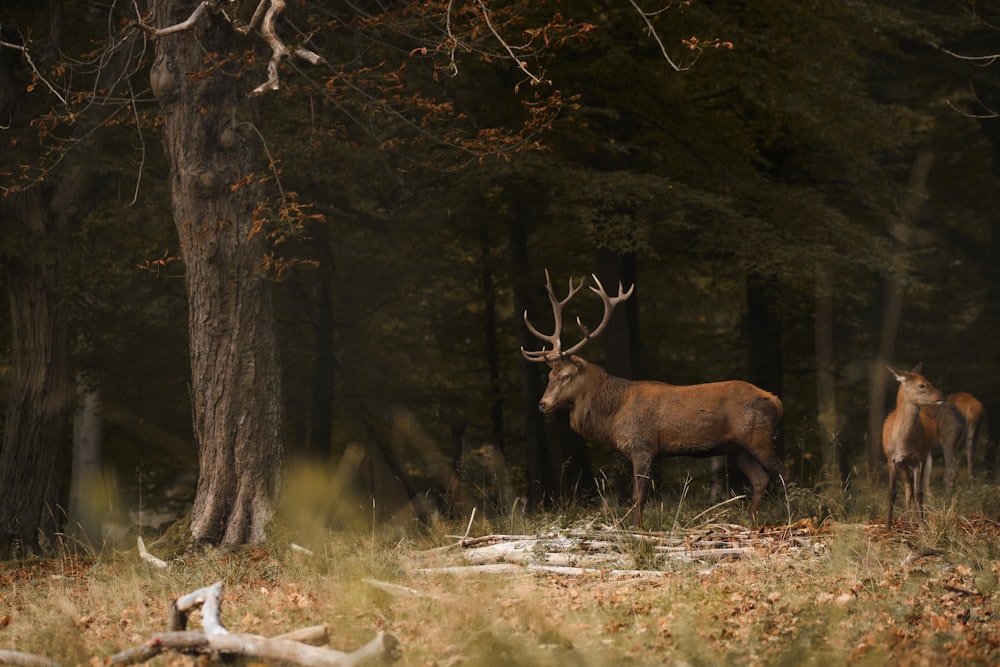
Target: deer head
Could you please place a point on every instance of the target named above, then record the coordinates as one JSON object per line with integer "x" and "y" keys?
{"x": 556, "y": 353}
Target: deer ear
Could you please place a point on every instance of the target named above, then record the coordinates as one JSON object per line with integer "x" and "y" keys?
{"x": 898, "y": 374}
{"x": 918, "y": 367}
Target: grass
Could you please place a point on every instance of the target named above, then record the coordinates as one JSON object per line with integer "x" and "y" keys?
{"x": 923, "y": 595}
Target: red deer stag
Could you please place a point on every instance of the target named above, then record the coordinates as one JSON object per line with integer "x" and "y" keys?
{"x": 956, "y": 422}
{"x": 908, "y": 434}
{"x": 645, "y": 418}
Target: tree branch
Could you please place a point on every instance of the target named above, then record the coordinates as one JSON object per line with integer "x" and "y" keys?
{"x": 178, "y": 27}
{"x": 31, "y": 63}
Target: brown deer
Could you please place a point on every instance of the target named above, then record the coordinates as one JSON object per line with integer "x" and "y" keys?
{"x": 646, "y": 418}
{"x": 956, "y": 422}
{"x": 908, "y": 434}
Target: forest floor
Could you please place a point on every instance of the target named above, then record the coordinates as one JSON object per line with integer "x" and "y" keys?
{"x": 579, "y": 593}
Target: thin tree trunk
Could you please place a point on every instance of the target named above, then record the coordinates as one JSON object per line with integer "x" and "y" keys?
{"x": 826, "y": 387}
{"x": 905, "y": 233}
{"x": 325, "y": 367}
{"x": 538, "y": 466}
{"x": 498, "y": 459}
{"x": 87, "y": 498}
{"x": 235, "y": 381}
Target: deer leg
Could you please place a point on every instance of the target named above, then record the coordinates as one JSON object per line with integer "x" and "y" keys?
{"x": 950, "y": 467}
{"x": 928, "y": 466}
{"x": 908, "y": 488}
{"x": 758, "y": 476}
{"x": 918, "y": 490}
{"x": 718, "y": 490}
{"x": 970, "y": 442}
{"x": 642, "y": 469}
{"x": 892, "y": 494}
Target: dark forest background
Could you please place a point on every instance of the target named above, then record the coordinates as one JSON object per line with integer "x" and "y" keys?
{"x": 810, "y": 197}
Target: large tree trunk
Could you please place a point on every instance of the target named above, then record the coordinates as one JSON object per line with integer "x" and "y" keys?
{"x": 235, "y": 381}
{"x": 35, "y": 426}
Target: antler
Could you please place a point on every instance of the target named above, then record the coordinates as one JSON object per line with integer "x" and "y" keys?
{"x": 557, "y": 352}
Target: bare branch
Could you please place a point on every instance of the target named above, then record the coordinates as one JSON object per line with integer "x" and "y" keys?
{"x": 255, "y": 19}
{"x": 34, "y": 68}
{"x": 655, "y": 35}
{"x": 278, "y": 48}
{"x": 179, "y": 27}
{"x": 521, "y": 65}
{"x": 979, "y": 61}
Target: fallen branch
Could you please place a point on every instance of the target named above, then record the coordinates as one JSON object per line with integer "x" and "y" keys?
{"x": 532, "y": 568}
{"x": 383, "y": 648}
{"x": 148, "y": 557}
{"x": 607, "y": 550}
{"x": 293, "y": 647}
{"x": 25, "y": 659}
{"x": 396, "y": 589}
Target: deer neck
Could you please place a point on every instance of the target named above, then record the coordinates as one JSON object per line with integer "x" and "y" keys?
{"x": 592, "y": 415}
{"x": 907, "y": 418}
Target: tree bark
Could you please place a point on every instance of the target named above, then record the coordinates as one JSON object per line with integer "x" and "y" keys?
{"x": 36, "y": 423}
{"x": 235, "y": 380}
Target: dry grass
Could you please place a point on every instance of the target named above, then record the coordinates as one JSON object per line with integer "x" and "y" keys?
{"x": 928, "y": 596}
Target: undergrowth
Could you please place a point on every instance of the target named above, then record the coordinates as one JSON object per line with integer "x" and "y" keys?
{"x": 922, "y": 592}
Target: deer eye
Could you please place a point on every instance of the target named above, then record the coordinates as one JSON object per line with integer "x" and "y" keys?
{"x": 922, "y": 385}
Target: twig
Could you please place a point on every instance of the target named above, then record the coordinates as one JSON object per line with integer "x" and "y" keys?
{"x": 468, "y": 528}
{"x": 31, "y": 63}
{"x": 655, "y": 35}
{"x": 395, "y": 589}
{"x": 521, "y": 65}
{"x": 302, "y": 549}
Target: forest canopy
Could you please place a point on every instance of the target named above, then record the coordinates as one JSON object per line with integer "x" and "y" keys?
{"x": 800, "y": 193}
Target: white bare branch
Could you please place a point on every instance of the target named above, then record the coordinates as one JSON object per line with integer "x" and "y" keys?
{"x": 979, "y": 61}
{"x": 178, "y": 27}
{"x": 278, "y": 48}
{"x": 148, "y": 557}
